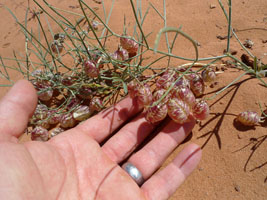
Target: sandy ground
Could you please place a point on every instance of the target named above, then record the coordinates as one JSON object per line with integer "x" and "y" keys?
{"x": 234, "y": 163}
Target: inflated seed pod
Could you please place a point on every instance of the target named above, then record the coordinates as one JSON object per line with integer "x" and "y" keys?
{"x": 90, "y": 69}
{"x": 129, "y": 44}
{"x": 45, "y": 94}
{"x": 132, "y": 88}
{"x": 182, "y": 82}
{"x": 57, "y": 46}
{"x": 120, "y": 54}
{"x": 85, "y": 92}
{"x": 56, "y": 131}
{"x": 43, "y": 123}
{"x": 248, "y": 118}
{"x": 201, "y": 110}
{"x": 165, "y": 81}
{"x": 144, "y": 95}
{"x": 196, "y": 84}
{"x": 96, "y": 104}
{"x": 72, "y": 103}
{"x": 39, "y": 134}
{"x": 178, "y": 110}
{"x": 68, "y": 80}
{"x": 158, "y": 94}
{"x": 53, "y": 117}
{"x": 156, "y": 113}
{"x": 67, "y": 121}
{"x": 81, "y": 113}
{"x": 44, "y": 89}
{"x": 185, "y": 94}
{"x": 208, "y": 75}
{"x": 40, "y": 112}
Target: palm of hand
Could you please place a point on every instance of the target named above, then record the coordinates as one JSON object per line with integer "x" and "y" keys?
{"x": 73, "y": 165}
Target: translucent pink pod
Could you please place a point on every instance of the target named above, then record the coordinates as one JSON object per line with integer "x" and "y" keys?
{"x": 196, "y": 84}
{"x": 90, "y": 69}
{"x": 144, "y": 95}
{"x": 158, "y": 94}
{"x": 178, "y": 110}
{"x": 201, "y": 110}
{"x": 73, "y": 102}
{"x": 185, "y": 94}
{"x": 156, "y": 113}
{"x": 40, "y": 112}
{"x": 96, "y": 104}
{"x": 133, "y": 88}
{"x": 248, "y": 118}
{"x": 121, "y": 55}
{"x": 56, "y": 131}
{"x": 129, "y": 44}
{"x": 53, "y": 117}
{"x": 167, "y": 78}
{"x": 85, "y": 92}
{"x": 81, "y": 113}
{"x": 39, "y": 134}
{"x": 67, "y": 121}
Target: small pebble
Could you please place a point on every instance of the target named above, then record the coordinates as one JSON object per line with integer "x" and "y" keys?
{"x": 237, "y": 188}
{"x": 248, "y": 43}
{"x": 212, "y": 6}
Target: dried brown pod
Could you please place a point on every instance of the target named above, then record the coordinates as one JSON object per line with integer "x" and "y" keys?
{"x": 57, "y": 46}
{"x": 208, "y": 75}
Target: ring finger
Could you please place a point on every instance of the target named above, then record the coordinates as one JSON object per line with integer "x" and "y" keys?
{"x": 153, "y": 154}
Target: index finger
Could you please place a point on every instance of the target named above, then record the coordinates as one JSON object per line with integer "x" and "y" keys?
{"x": 106, "y": 122}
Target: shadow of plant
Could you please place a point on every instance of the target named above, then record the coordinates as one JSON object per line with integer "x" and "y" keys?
{"x": 254, "y": 145}
{"x": 216, "y": 129}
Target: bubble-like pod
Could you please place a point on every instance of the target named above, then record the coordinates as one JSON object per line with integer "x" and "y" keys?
{"x": 196, "y": 84}
{"x": 201, "y": 110}
{"x": 185, "y": 94}
{"x": 178, "y": 110}
{"x": 129, "y": 44}
{"x": 156, "y": 113}
{"x": 144, "y": 95}
{"x": 39, "y": 134}
{"x": 208, "y": 75}
{"x": 90, "y": 69}
{"x": 248, "y": 118}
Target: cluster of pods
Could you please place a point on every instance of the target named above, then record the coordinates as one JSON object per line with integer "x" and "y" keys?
{"x": 81, "y": 94}
{"x": 175, "y": 96}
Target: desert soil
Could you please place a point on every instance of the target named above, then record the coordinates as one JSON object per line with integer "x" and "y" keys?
{"x": 234, "y": 163}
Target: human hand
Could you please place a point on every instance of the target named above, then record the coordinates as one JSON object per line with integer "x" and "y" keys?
{"x": 73, "y": 165}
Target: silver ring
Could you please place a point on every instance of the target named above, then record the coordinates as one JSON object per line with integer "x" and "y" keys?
{"x": 133, "y": 172}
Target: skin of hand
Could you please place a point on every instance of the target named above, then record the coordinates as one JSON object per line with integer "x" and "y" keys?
{"x": 73, "y": 165}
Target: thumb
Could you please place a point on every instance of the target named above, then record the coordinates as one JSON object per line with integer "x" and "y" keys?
{"x": 15, "y": 110}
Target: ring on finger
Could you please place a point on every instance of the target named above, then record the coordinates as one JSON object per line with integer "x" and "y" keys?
{"x": 133, "y": 172}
